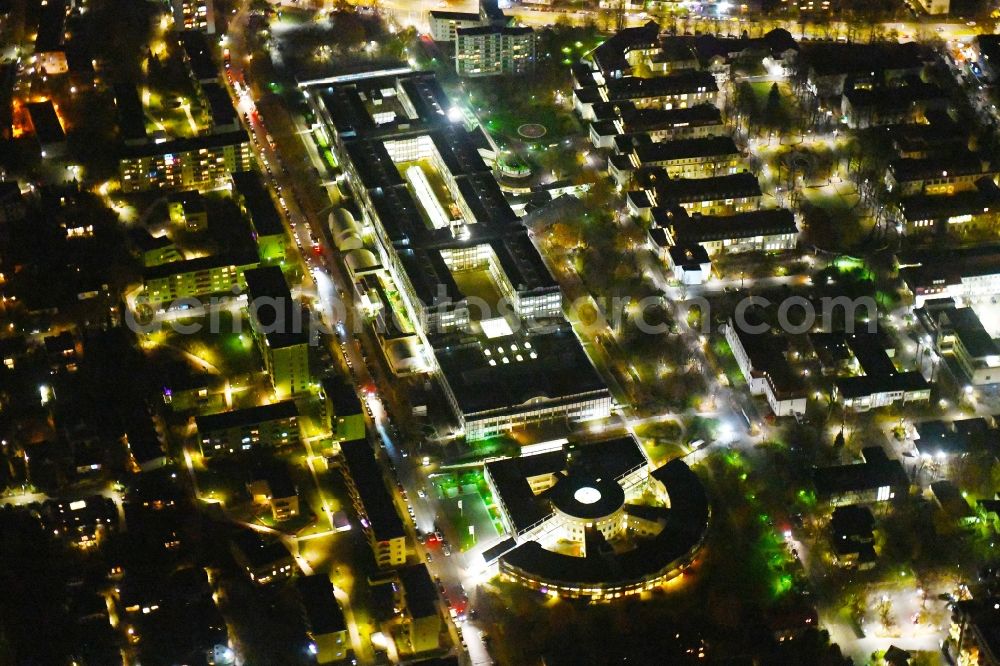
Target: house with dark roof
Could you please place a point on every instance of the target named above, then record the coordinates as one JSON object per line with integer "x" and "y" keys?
{"x": 976, "y": 630}
{"x": 421, "y": 608}
{"x": 952, "y": 503}
{"x": 957, "y": 171}
{"x": 946, "y": 440}
{"x": 264, "y": 560}
{"x": 687, "y": 88}
{"x": 717, "y": 195}
{"x": 831, "y": 64}
{"x": 689, "y": 158}
{"x": 615, "y": 57}
{"x": 273, "y": 486}
{"x": 47, "y": 127}
{"x": 50, "y": 40}
{"x": 614, "y": 119}
{"x": 324, "y": 619}
{"x": 765, "y": 230}
{"x": 852, "y": 536}
{"x": 903, "y": 102}
{"x": 81, "y": 520}
{"x": 967, "y": 210}
{"x": 875, "y": 479}
{"x": 878, "y": 382}
{"x": 690, "y": 263}
{"x": 187, "y": 209}
{"x": 762, "y": 358}
{"x": 153, "y": 250}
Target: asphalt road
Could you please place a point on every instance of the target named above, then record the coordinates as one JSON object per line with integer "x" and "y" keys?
{"x": 306, "y": 219}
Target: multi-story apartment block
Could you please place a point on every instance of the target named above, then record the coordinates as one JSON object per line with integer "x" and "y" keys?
{"x": 281, "y": 330}
{"x": 445, "y": 24}
{"x": 325, "y": 622}
{"x": 263, "y": 560}
{"x": 194, "y": 15}
{"x": 195, "y": 278}
{"x": 877, "y": 479}
{"x": 958, "y": 333}
{"x": 342, "y": 408}
{"x": 977, "y": 209}
{"x": 616, "y": 119}
{"x": 485, "y": 43}
{"x": 488, "y": 50}
{"x": 243, "y": 430}
{"x": 373, "y": 503}
{"x": 201, "y": 162}
{"x": 256, "y": 203}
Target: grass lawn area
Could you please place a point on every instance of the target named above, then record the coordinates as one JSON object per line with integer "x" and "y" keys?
{"x": 840, "y": 203}
{"x": 762, "y": 91}
{"x": 724, "y": 355}
{"x": 505, "y": 105}
{"x": 226, "y": 351}
{"x": 504, "y": 122}
{"x": 490, "y": 446}
{"x": 662, "y": 441}
{"x": 480, "y": 285}
{"x": 398, "y": 308}
{"x": 219, "y": 485}
{"x": 163, "y": 112}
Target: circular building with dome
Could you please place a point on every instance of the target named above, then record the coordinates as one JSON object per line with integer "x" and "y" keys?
{"x": 581, "y": 523}
{"x": 582, "y": 502}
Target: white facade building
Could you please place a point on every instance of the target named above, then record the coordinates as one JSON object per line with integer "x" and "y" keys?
{"x": 489, "y": 50}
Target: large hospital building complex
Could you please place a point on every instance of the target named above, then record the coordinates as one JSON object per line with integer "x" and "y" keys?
{"x": 444, "y": 261}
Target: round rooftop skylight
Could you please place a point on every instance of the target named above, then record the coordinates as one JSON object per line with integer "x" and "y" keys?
{"x": 587, "y": 495}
